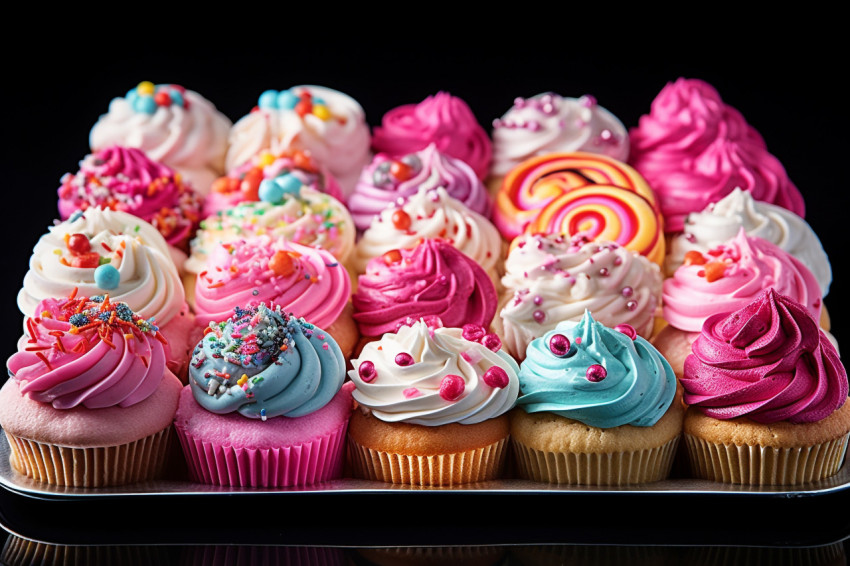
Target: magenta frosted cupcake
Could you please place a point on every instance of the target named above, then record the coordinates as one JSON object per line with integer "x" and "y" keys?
{"x": 265, "y": 405}
{"x": 386, "y": 181}
{"x": 433, "y": 280}
{"x": 441, "y": 119}
{"x": 304, "y": 281}
{"x": 124, "y": 178}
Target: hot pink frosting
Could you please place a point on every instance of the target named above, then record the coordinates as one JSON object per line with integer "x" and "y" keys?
{"x": 307, "y": 282}
{"x": 731, "y": 275}
{"x": 442, "y": 119}
{"x": 434, "y": 279}
{"x": 694, "y": 149}
{"x": 386, "y": 180}
{"x": 767, "y": 361}
{"x": 124, "y": 178}
{"x": 88, "y": 352}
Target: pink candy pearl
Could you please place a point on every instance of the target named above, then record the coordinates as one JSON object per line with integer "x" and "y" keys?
{"x": 559, "y": 345}
{"x": 473, "y": 332}
{"x": 451, "y": 387}
{"x": 596, "y": 373}
{"x": 627, "y": 329}
{"x": 496, "y": 377}
{"x": 492, "y": 342}
{"x": 404, "y": 359}
{"x": 367, "y": 371}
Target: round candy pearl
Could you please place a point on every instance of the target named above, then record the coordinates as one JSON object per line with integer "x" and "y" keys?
{"x": 404, "y": 359}
{"x": 559, "y": 345}
{"x": 162, "y": 98}
{"x": 146, "y": 87}
{"x": 282, "y": 264}
{"x": 270, "y": 192}
{"x": 286, "y": 100}
{"x": 451, "y": 387}
{"x": 492, "y": 342}
{"x": 176, "y": 97}
{"x": 496, "y": 377}
{"x": 401, "y": 220}
{"x": 289, "y": 183}
{"x": 473, "y": 332}
{"x": 79, "y": 243}
{"x": 144, "y": 105}
{"x": 107, "y": 277}
{"x": 596, "y": 373}
{"x": 627, "y": 329}
{"x": 367, "y": 371}
{"x": 321, "y": 112}
{"x": 268, "y": 100}
{"x": 391, "y": 257}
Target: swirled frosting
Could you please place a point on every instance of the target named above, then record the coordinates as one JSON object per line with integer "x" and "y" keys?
{"x": 694, "y": 149}
{"x": 89, "y": 352}
{"x": 731, "y": 275}
{"x": 434, "y": 376}
{"x": 101, "y": 250}
{"x": 264, "y": 363}
{"x": 173, "y": 125}
{"x": 387, "y": 181}
{"x": 441, "y": 119}
{"x": 307, "y": 217}
{"x": 124, "y": 178}
{"x": 327, "y": 123}
{"x": 430, "y": 213}
{"x": 721, "y": 221}
{"x": 767, "y": 361}
{"x": 551, "y": 278}
{"x": 594, "y": 374}
{"x": 243, "y": 183}
{"x": 304, "y": 281}
{"x": 433, "y": 279}
{"x": 551, "y": 123}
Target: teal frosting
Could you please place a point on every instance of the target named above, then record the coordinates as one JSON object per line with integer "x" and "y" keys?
{"x": 637, "y": 390}
{"x": 293, "y": 368}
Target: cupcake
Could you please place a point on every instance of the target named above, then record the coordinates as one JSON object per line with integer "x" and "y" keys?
{"x": 173, "y": 125}
{"x": 325, "y": 122}
{"x": 101, "y": 251}
{"x": 549, "y": 279}
{"x": 431, "y": 213}
{"x": 432, "y": 281}
{"x": 388, "y": 181}
{"x": 724, "y": 279}
{"x": 90, "y": 398}
{"x": 596, "y": 407}
{"x": 694, "y": 149}
{"x": 289, "y": 168}
{"x": 722, "y": 220}
{"x": 265, "y": 405}
{"x": 766, "y": 394}
{"x": 297, "y": 213}
{"x": 551, "y": 123}
{"x": 441, "y": 119}
{"x": 432, "y": 406}
{"x": 303, "y": 281}
{"x": 124, "y": 178}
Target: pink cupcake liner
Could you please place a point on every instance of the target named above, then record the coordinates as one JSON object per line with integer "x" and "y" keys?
{"x": 313, "y": 461}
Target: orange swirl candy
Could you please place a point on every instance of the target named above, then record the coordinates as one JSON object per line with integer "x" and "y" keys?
{"x": 537, "y": 181}
{"x": 603, "y": 212}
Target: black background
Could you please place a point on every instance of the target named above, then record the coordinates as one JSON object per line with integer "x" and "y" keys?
{"x": 786, "y": 83}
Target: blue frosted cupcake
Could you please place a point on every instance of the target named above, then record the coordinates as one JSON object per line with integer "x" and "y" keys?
{"x": 597, "y": 406}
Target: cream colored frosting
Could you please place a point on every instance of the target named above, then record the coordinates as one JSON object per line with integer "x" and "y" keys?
{"x": 190, "y": 139}
{"x": 411, "y": 393}
{"x": 549, "y": 279}
{"x": 721, "y": 221}
{"x": 340, "y": 142}
{"x": 149, "y": 281}
{"x": 432, "y": 214}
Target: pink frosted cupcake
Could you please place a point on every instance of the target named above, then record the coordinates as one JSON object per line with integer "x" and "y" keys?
{"x": 90, "y": 399}
{"x": 124, "y": 178}
{"x": 290, "y": 166}
{"x": 304, "y": 281}
{"x": 725, "y": 279}
{"x": 694, "y": 149}
{"x": 432, "y": 281}
{"x": 441, "y": 119}
{"x": 388, "y": 181}
{"x": 265, "y": 405}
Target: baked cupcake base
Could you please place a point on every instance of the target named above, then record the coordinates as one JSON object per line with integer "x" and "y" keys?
{"x": 554, "y": 449}
{"x": 410, "y": 454}
{"x": 741, "y": 451}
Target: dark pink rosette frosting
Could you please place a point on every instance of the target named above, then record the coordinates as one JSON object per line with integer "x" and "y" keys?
{"x": 433, "y": 280}
{"x": 694, "y": 149}
{"x": 88, "y": 352}
{"x": 768, "y": 361}
{"x": 125, "y": 179}
{"x": 442, "y": 119}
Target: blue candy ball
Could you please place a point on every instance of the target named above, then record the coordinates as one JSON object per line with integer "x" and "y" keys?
{"x": 268, "y": 100}
{"x": 144, "y": 104}
{"x": 287, "y": 100}
{"x": 319, "y": 101}
{"x": 289, "y": 183}
{"x": 176, "y": 97}
{"x": 106, "y": 277}
{"x": 132, "y": 95}
{"x": 270, "y": 192}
